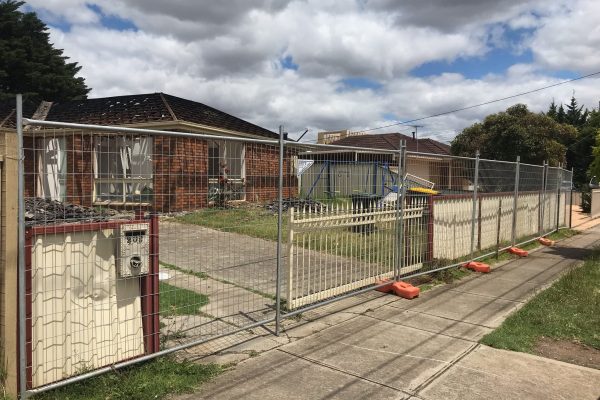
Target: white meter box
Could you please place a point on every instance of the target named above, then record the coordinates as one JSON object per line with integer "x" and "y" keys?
{"x": 134, "y": 250}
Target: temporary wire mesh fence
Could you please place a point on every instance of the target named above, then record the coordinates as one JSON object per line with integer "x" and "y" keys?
{"x": 142, "y": 242}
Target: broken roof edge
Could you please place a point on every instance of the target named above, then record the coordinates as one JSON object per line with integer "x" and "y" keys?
{"x": 141, "y": 109}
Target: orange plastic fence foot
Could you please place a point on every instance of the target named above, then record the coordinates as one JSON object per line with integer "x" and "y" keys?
{"x": 478, "y": 266}
{"x": 517, "y": 251}
{"x": 405, "y": 290}
{"x": 385, "y": 288}
{"x": 546, "y": 241}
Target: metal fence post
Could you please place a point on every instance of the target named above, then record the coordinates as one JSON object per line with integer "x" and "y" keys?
{"x": 279, "y": 235}
{"x": 543, "y": 199}
{"x": 516, "y": 195}
{"x": 571, "y": 200}
{"x": 21, "y": 256}
{"x": 544, "y": 188}
{"x": 559, "y": 175}
{"x": 473, "y": 214}
{"x": 400, "y": 208}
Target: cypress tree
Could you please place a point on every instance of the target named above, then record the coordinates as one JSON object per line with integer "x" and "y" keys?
{"x": 29, "y": 63}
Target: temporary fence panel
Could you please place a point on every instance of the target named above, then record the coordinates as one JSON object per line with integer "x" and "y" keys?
{"x": 338, "y": 249}
{"x": 143, "y": 242}
{"x": 347, "y": 239}
{"x": 452, "y": 209}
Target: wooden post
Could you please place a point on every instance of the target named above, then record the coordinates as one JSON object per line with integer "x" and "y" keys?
{"x": 8, "y": 259}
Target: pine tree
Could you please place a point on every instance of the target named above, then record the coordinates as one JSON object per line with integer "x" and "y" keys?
{"x": 29, "y": 63}
{"x": 574, "y": 115}
{"x": 552, "y": 110}
{"x": 560, "y": 115}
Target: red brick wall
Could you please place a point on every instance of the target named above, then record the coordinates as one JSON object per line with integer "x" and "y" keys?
{"x": 29, "y": 166}
{"x": 262, "y": 173}
{"x": 80, "y": 169}
{"x": 80, "y": 172}
{"x": 180, "y": 173}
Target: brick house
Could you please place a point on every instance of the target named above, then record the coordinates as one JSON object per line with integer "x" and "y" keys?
{"x": 155, "y": 172}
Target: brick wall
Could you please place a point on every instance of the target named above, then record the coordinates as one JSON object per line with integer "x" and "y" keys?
{"x": 180, "y": 173}
{"x": 262, "y": 173}
{"x": 80, "y": 169}
{"x": 30, "y": 167}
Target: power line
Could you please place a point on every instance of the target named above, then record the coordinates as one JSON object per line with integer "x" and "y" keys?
{"x": 482, "y": 104}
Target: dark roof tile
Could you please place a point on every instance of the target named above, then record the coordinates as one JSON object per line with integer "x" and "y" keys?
{"x": 151, "y": 107}
{"x": 391, "y": 141}
{"x": 191, "y": 111}
{"x": 8, "y": 115}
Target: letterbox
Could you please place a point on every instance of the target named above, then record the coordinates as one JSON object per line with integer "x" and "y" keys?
{"x": 134, "y": 250}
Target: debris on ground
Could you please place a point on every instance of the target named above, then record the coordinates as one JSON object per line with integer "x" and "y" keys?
{"x": 40, "y": 211}
{"x": 298, "y": 204}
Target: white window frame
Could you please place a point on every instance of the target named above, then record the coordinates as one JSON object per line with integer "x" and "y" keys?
{"x": 124, "y": 180}
{"x": 240, "y": 180}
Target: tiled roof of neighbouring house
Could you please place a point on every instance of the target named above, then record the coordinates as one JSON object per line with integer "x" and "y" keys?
{"x": 391, "y": 141}
{"x": 141, "y": 108}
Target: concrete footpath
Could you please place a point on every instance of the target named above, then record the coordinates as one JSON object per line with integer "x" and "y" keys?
{"x": 427, "y": 348}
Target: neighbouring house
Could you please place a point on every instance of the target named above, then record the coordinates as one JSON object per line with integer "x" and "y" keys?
{"x": 339, "y": 171}
{"x": 157, "y": 172}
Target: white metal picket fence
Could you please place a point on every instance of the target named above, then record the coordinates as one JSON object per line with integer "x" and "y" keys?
{"x": 342, "y": 248}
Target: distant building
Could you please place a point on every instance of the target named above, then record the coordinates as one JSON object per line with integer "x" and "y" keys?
{"x": 331, "y": 136}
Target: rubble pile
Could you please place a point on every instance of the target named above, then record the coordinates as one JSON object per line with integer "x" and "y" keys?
{"x": 39, "y": 211}
{"x": 298, "y": 204}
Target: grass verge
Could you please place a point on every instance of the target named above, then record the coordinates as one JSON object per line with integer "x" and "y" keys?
{"x": 152, "y": 380}
{"x": 568, "y": 310}
{"x": 178, "y": 301}
{"x": 505, "y": 255}
{"x": 429, "y": 281}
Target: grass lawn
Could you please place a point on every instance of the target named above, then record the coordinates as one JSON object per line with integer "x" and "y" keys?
{"x": 177, "y": 301}
{"x": 253, "y": 222}
{"x": 568, "y": 310}
{"x": 152, "y": 380}
{"x": 377, "y": 247}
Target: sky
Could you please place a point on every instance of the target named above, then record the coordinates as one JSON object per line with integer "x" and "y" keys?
{"x": 335, "y": 64}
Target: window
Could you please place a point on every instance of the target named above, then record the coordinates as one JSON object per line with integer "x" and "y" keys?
{"x": 123, "y": 170}
{"x": 52, "y": 169}
{"x": 226, "y": 171}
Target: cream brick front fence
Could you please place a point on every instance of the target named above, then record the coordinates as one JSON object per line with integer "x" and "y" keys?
{"x": 452, "y": 220}
{"x": 134, "y": 243}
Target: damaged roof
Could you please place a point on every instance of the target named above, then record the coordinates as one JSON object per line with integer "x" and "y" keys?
{"x": 136, "y": 109}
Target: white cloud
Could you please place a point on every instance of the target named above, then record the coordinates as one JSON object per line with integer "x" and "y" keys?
{"x": 228, "y": 57}
{"x": 570, "y": 38}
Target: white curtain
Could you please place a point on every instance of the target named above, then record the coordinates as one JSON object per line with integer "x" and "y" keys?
{"x": 52, "y": 169}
